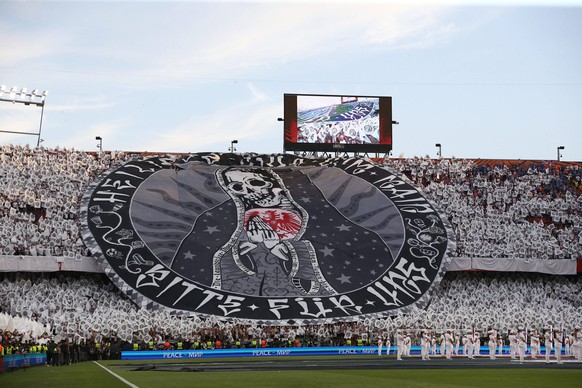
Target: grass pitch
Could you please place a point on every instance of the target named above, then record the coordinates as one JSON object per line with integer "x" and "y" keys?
{"x": 90, "y": 374}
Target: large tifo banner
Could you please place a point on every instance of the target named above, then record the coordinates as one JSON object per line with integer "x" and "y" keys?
{"x": 271, "y": 238}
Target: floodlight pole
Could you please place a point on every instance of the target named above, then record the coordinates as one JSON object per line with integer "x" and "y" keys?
{"x": 559, "y": 149}
{"x": 100, "y": 145}
{"x": 40, "y": 125}
{"x": 394, "y": 122}
{"x": 232, "y": 143}
{"x": 439, "y": 153}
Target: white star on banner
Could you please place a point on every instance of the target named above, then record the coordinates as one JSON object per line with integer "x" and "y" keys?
{"x": 344, "y": 279}
{"x": 211, "y": 229}
{"x": 344, "y": 228}
{"x": 327, "y": 251}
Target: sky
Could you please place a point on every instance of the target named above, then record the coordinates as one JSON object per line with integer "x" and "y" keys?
{"x": 485, "y": 79}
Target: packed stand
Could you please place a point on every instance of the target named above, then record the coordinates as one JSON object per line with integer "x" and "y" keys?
{"x": 40, "y": 193}
{"x": 88, "y": 308}
{"x": 529, "y": 210}
{"x": 505, "y": 209}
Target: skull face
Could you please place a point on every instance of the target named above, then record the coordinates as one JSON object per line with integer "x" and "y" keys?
{"x": 252, "y": 187}
{"x": 111, "y": 252}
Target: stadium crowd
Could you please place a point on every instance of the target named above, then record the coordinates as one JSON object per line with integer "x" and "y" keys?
{"x": 87, "y": 308}
{"x": 502, "y": 210}
{"x": 40, "y": 194}
{"x": 498, "y": 209}
{"x": 505, "y": 209}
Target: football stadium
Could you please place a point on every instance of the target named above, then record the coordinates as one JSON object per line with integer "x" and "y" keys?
{"x": 123, "y": 256}
{"x": 326, "y": 262}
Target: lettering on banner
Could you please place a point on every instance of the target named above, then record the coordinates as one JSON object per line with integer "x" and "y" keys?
{"x": 401, "y": 281}
{"x": 396, "y": 188}
{"x": 111, "y": 197}
{"x": 118, "y": 184}
{"x": 346, "y": 305}
{"x": 275, "y": 305}
{"x": 320, "y": 311}
{"x": 154, "y": 275}
{"x": 231, "y": 305}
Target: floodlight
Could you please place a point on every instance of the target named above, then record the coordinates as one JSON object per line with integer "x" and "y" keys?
{"x": 232, "y": 143}
{"x": 23, "y": 96}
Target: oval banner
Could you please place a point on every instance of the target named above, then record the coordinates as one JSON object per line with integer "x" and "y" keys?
{"x": 277, "y": 239}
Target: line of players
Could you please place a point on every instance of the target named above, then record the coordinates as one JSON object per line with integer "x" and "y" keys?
{"x": 450, "y": 344}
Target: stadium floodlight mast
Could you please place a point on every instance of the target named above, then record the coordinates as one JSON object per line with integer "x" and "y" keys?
{"x": 559, "y": 149}
{"x": 23, "y": 96}
{"x": 100, "y": 145}
{"x": 440, "y": 151}
{"x": 232, "y": 143}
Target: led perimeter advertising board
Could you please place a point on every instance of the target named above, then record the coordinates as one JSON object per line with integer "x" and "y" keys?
{"x": 337, "y": 123}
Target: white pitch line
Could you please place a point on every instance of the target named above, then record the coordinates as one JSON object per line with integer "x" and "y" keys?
{"x": 118, "y": 376}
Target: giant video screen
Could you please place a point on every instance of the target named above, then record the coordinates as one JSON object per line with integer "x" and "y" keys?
{"x": 336, "y": 123}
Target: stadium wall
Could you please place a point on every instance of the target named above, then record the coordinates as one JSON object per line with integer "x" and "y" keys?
{"x": 89, "y": 265}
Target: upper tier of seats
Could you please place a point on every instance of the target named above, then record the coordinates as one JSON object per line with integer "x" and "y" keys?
{"x": 499, "y": 209}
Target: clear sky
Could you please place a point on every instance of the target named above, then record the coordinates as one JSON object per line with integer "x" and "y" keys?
{"x": 486, "y": 81}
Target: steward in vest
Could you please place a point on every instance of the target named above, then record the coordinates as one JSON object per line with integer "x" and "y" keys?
{"x": 98, "y": 350}
{"x": 135, "y": 346}
{"x": 180, "y": 345}
{"x": 151, "y": 345}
